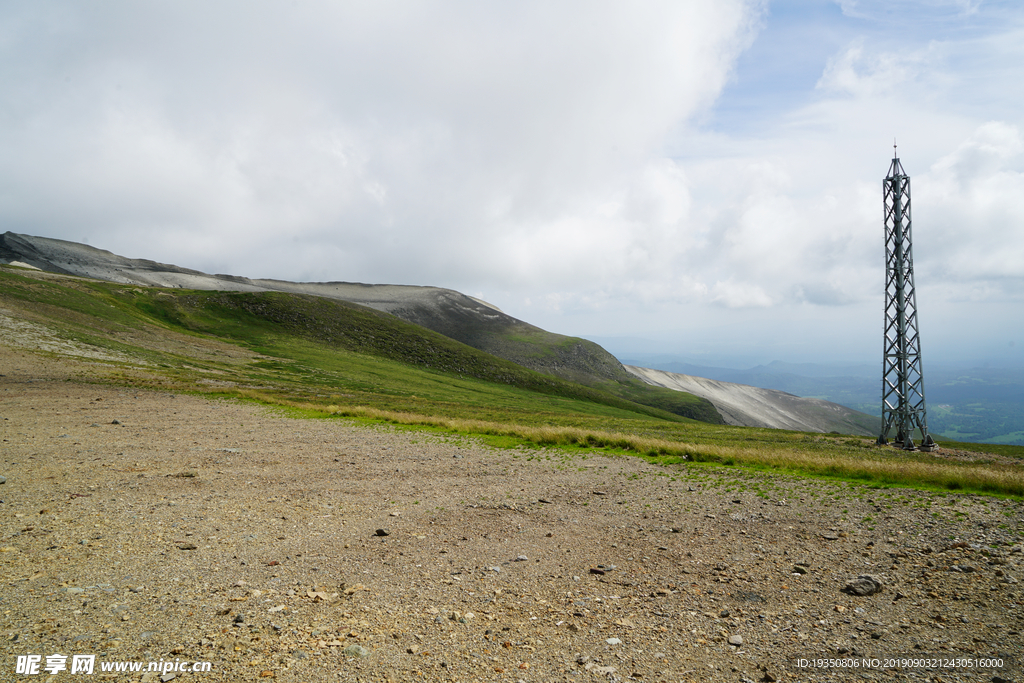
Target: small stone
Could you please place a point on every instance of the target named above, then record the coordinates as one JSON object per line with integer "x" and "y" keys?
{"x": 736, "y": 640}
{"x": 799, "y": 569}
{"x": 356, "y": 651}
{"x": 381, "y": 532}
{"x": 865, "y": 584}
{"x": 3, "y": 480}
{"x": 521, "y": 558}
{"x": 115, "y": 422}
{"x": 724, "y": 613}
{"x": 613, "y": 641}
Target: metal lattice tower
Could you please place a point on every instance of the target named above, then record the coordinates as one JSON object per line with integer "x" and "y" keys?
{"x": 903, "y": 405}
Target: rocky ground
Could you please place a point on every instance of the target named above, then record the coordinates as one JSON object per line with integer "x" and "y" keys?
{"x": 142, "y": 526}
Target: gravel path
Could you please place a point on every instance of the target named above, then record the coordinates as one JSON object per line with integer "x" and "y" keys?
{"x": 142, "y": 526}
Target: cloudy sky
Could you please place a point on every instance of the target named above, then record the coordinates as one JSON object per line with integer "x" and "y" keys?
{"x": 698, "y": 177}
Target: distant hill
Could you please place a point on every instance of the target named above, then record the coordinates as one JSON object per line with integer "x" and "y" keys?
{"x": 741, "y": 404}
{"x": 445, "y": 311}
{"x": 966, "y": 402}
{"x": 456, "y": 316}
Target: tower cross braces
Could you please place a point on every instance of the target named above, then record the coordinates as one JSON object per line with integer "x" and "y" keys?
{"x": 903, "y": 406}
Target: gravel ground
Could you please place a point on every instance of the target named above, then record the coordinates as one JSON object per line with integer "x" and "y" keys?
{"x": 143, "y": 526}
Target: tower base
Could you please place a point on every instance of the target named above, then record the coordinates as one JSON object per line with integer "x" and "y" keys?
{"x": 927, "y": 445}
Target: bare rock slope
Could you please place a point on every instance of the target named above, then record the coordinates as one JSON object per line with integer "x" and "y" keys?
{"x": 748, "y": 406}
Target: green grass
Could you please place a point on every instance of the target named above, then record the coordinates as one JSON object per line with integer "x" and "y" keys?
{"x": 328, "y": 359}
{"x": 389, "y": 363}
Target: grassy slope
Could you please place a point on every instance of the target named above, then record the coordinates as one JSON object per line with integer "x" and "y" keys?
{"x": 274, "y": 322}
{"x": 317, "y": 346}
{"x": 577, "y": 360}
{"x": 313, "y": 360}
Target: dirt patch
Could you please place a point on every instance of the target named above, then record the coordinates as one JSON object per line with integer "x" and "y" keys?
{"x": 142, "y": 526}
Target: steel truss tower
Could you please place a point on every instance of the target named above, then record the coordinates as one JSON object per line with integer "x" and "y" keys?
{"x": 903, "y": 405}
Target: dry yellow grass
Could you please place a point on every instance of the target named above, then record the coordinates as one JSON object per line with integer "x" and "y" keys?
{"x": 885, "y": 468}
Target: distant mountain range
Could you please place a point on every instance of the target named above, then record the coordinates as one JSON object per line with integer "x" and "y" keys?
{"x": 965, "y": 402}
{"x": 742, "y": 404}
{"x": 476, "y": 324}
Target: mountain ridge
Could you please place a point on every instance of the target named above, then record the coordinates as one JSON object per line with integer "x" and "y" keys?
{"x": 457, "y": 316}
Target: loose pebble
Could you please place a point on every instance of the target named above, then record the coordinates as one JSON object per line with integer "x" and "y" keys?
{"x": 502, "y": 564}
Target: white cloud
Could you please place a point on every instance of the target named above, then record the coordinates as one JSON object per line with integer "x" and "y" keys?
{"x": 858, "y": 72}
{"x": 417, "y": 141}
{"x": 879, "y": 9}
{"x": 972, "y": 201}
{"x": 519, "y": 150}
{"x": 733, "y": 293}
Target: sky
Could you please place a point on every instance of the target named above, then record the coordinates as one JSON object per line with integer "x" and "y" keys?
{"x": 697, "y": 178}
